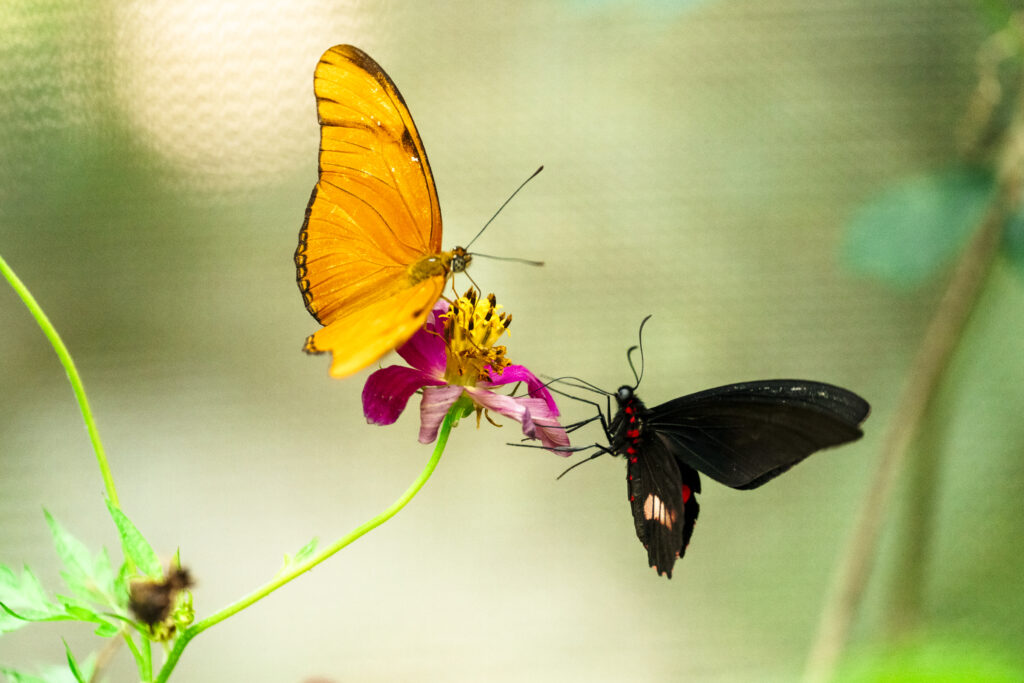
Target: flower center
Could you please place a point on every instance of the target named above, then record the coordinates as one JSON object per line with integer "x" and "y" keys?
{"x": 471, "y": 327}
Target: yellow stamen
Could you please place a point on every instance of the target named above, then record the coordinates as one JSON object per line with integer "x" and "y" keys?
{"x": 472, "y": 328}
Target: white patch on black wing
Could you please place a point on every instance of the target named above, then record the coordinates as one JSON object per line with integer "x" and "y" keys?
{"x": 655, "y": 510}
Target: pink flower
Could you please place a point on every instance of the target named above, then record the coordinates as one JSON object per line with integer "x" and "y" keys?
{"x": 454, "y": 354}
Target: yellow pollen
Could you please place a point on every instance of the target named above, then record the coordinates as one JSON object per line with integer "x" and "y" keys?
{"x": 472, "y": 326}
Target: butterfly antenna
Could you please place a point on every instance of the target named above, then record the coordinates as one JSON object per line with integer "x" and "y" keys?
{"x": 508, "y": 258}
{"x": 629, "y": 354}
{"x": 503, "y": 206}
{"x": 576, "y": 383}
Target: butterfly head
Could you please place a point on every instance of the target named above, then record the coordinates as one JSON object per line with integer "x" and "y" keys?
{"x": 625, "y": 395}
{"x": 460, "y": 259}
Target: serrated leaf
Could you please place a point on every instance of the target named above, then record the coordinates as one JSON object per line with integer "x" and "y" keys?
{"x": 72, "y": 553}
{"x": 90, "y": 579}
{"x": 23, "y": 600}
{"x": 135, "y": 546}
{"x": 50, "y": 674}
{"x": 23, "y": 592}
{"x": 73, "y": 665}
{"x": 908, "y": 232}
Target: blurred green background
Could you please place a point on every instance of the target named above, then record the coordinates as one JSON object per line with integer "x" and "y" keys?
{"x": 701, "y": 160}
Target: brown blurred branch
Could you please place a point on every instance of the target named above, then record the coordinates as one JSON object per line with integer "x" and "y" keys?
{"x": 940, "y": 341}
{"x": 925, "y": 376}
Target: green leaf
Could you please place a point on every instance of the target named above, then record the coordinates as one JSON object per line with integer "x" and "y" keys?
{"x": 304, "y": 553}
{"x": 14, "y": 676}
{"x": 1013, "y": 240}
{"x": 123, "y": 581}
{"x": 933, "y": 660}
{"x": 135, "y": 546}
{"x": 23, "y": 592}
{"x": 995, "y": 14}
{"x": 81, "y": 613}
{"x": 51, "y": 674}
{"x": 90, "y": 579}
{"x": 23, "y": 600}
{"x": 106, "y": 630}
{"x": 307, "y": 551}
{"x": 908, "y": 232}
{"x": 73, "y": 665}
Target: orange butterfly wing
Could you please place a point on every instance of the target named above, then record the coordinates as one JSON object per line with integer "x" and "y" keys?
{"x": 369, "y": 264}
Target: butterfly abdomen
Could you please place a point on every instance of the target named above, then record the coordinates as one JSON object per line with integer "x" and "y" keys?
{"x": 661, "y": 490}
{"x": 627, "y": 428}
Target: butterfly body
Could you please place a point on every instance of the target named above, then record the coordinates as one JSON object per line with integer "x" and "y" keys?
{"x": 741, "y": 435}
{"x": 369, "y": 263}
{"x": 662, "y": 490}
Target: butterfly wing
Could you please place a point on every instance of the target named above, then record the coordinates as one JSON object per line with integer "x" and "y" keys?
{"x": 662, "y": 494}
{"x": 743, "y": 435}
{"x": 372, "y": 216}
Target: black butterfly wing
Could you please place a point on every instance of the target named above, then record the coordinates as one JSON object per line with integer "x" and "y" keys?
{"x": 743, "y": 435}
{"x": 662, "y": 494}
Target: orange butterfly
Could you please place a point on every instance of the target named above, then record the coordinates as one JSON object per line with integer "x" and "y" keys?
{"x": 369, "y": 261}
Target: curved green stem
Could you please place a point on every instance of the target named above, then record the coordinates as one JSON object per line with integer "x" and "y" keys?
{"x": 69, "y": 367}
{"x": 456, "y": 411}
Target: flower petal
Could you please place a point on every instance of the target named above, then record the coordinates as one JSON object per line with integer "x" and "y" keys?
{"x": 425, "y": 350}
{"x": 548, "y": 430}
{"x": 538, "y": 421}
{"x": 520, "y": 373}
{"x": 388, "y": 390}
{"x": 434, "y": 406}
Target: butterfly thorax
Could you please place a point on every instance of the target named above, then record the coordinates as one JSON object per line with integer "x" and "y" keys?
{"x": 439, "y": 265}
{"x": 627, "y": 427}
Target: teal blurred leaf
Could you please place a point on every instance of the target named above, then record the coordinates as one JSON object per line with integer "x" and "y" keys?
{"x": 995, "y": 14}
{"x": 135, "y": 546}
{"x": 1013, "y": 241}
{"x": 908, "y": 232}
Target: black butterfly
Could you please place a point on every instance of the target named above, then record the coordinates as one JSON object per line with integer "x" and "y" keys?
{"x": 741, "y": 435}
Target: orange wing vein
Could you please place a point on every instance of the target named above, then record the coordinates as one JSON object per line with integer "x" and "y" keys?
{"x": 372, "y": 216}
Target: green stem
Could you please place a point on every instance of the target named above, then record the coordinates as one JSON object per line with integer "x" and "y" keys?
{"x": 137, "y": 655}
{"x": 456, "y": 411}
{"x": 69, "y": 367}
